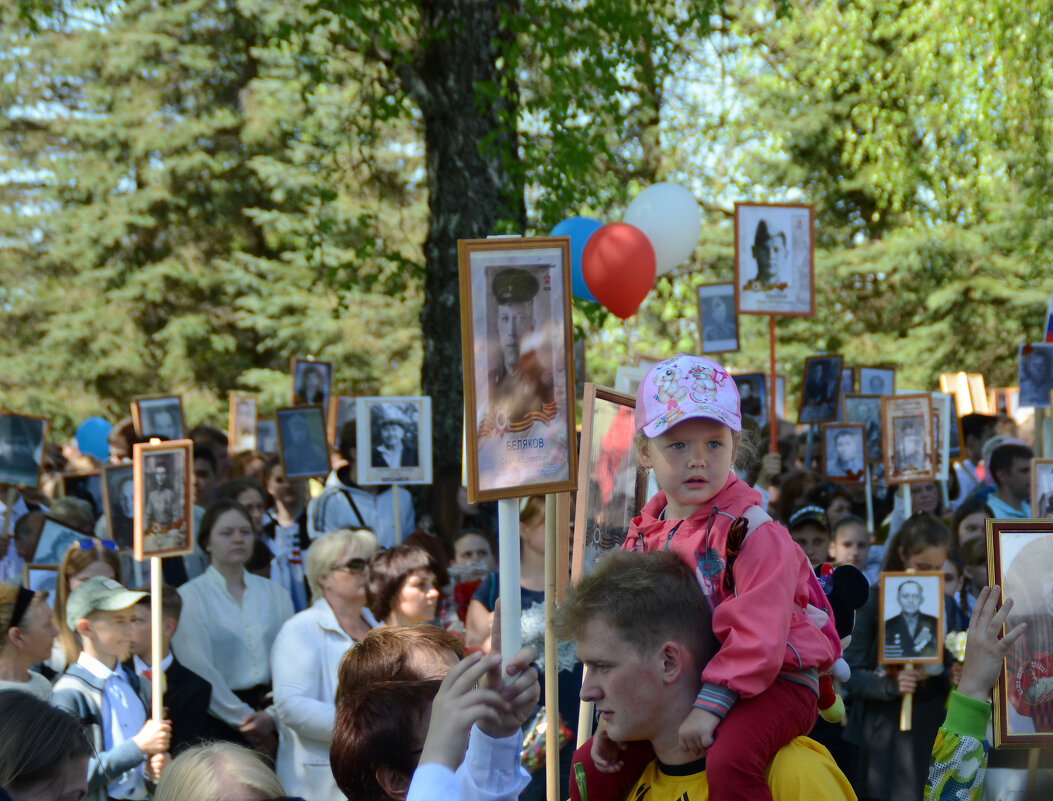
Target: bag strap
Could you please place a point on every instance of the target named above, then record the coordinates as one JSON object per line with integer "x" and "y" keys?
{"x": 354, "y": 506}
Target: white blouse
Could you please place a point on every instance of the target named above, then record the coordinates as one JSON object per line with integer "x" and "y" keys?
{"x": 226, "y": 643}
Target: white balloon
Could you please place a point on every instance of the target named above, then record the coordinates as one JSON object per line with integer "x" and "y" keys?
{"x": 670, "y": 217}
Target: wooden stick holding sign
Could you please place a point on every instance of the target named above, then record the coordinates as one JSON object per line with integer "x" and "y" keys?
{"x": 164, "y": 527}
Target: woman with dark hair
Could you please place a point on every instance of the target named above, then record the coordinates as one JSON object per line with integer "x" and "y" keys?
{"x": 970, "y": 520}
{"x": 43, "y": 751}
{"x": 403, "y": 586}
{"x": 26, "y": 635}
{"x": 229, "y": 622}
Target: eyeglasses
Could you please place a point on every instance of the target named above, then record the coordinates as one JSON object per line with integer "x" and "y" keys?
{"x": 355, "y": 565}
{"x": 87, "y": 543}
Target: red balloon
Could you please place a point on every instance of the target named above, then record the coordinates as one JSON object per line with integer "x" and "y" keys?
{"x": 618, "y": 265}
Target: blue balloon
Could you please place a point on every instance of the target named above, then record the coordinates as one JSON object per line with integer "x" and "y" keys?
{"x": 579, "y": 229}
{"x": 92, "y": 438}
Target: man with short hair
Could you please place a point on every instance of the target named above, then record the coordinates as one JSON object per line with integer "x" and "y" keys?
{"x": 976, "y": 430}
{"x": 1010, "y": 464}
{"x": 769, "y": 251}
{"x": 911, "y": 633}
{"x": 644, "y": 632}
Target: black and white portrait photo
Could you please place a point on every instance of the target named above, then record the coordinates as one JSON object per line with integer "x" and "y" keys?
{"x": 55, "y": 540}
{"x": 394, "y": 436}
{"x": 717, "y": 322}
{"x": 911, "y": 617}
{"x": 1036, "y": 375}
{"x": 21, "y": 449}
{"x": 302, "y": 442}
{"x": 821, "y": 391}
{"x": 877, "y": 381}
{"x": 843, "y": 452}
{"x": 518, "y": 348}
{"x": 118, "y": 502}
{"x": 848, "y": 380}
{"x": 241, "y": 429}
{"x": 906, "y": 422}
{"x": 266, "y": 435}
{"x": 164, "y": 483}
{"x": 773, "y": 259}
{"x": 159, "y": 416}
{"x": 866, "y": 409}
{"x": 753, "y": 395}
{"x": 311, "y": 382}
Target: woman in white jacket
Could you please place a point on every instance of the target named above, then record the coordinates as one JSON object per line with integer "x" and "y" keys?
{"x": 306, "y": 656}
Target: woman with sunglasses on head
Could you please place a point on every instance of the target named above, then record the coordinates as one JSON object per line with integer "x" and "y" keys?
{"x": 305, "y": 659}
{"x": 86, "y": 558}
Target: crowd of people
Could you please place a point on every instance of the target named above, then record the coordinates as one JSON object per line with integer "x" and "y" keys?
{"x": 307, "y": 652}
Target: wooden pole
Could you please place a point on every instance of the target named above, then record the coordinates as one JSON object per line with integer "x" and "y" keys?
{"x": 868, "y": 490}
{"x": 906, "y": 709}
{"x": 508, "y": 577}
{"x": 585, "y": 710}
{"x": 156, "y": 637}
{"x": 551, "y": 651}
{"x": 398, "y": 517}
{"x": 773, "y": 434}
{"x": 563, "y": 545}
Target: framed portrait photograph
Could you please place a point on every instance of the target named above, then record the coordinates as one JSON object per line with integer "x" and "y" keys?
{"x": 342, "y": 409}
{"x": 1042, "y": 488}
{"x": 118, "y": 504}
{"x": 978, "y": 392}
{"x": 911, "y": 623}
{"x": 753, "y": 395}
{"x": 821, "y": 390}
{"x": 844, "y": 452}
{"x": 906, "y": 423}
{"x": 164, "y": 511}
{"x": 55, "y": 540}
{"x": 87, "y": 486}
{"x": 158, "y": 416}
{"x": 627, "y": 379}
{"x": 1035, "y": 374}
{"x": 22, "y": 439}
{"x": 942, "y": 418}
{"x": 848, "y": 380}
{"x": 877, "y": 381}
{"x": 1020, "y": 560}
{"x": 311, "y": 382}
{"x": 518, "y": 366}
{"x": 302, "y": 442}
{"x": 41, "y": 578}
{"x": 865, "y": 409}
{"x": 774, "y": 250}
{"x": 718, "y": 325}
{"x": 394, "y": 440}
{"x": 241, "y": 423}
{"x": 267, "y": 435}
{"x": 1003, "y": 400}
{"x": 612, "y": 486}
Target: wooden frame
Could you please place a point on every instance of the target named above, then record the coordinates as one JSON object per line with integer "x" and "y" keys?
{"x": 375, "y": 417}
{"x": 941, "y": 433}
{"x": 842, "y": 471}
{"x": 55, "y": 539}
{"x": 241, "y": 423}
{"x": 866, "y": 410}
{"x": 867, "y": 376}
{"x": 302, "y": 443}
{"x": 164, "y": 502}
{"x": 22, "y": 474}
{"x": 1042, "y": 488}
{"x": 119, "y": 509}
{"x": 612, "y": 487}
{"x": 153, "y": 405}
{"x": 299, "y": 369}
{"x": 40, "y": 578}
{"x": 789, "y": 288}
{"x": 1020, "y": 561}
{"x": 719, "y": 339}
{"x": 519, "y": 417}
{"x": 896, "y": 645}
{"x": 627, "y": 379}
{"x": 758, "y": 391}
{"x": 820, "y": 394}
{"x": 901, "y": 416}
{"x": 342, "y": 409}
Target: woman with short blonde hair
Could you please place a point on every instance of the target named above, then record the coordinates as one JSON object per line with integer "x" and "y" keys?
{"x": 306, "y": 658}
{"x": 218, "y": 771}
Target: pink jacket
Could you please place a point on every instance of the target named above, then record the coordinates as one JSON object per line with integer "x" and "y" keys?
{"x": 761, "y": 624}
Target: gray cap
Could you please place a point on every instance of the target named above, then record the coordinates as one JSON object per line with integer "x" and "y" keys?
{"x": 512, "y": 285}
{"x": 99, "y": 594}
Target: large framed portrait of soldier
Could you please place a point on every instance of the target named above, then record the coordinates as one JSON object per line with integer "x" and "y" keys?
{"x": 22, "y": 439}
{"x": 1036, "y": 374}
{"x": 906, "y": 423}
{"x": 164, "y": 510}
{"x": 865, "y": 409}
{"x": 844, "y": 452}
{"x": 1020, "y": 561}
{"x": 911, "y": 620}
{"x": 774, "y": 257}
{"x": 613, "y": 487}
{"x": 718, "y": 326}
{"x": 518, "y": 366}
{"x": 394, "y": 440}
{"x": 821, "y": 389}
{"x": 302, "y": 443}
{"x": 158, "y": 416}
{"x": 241, "y": 423}
{"x": 118, "y": 504}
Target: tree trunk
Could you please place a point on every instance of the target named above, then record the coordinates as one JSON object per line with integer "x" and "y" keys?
{"x": 468, "y": 102}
